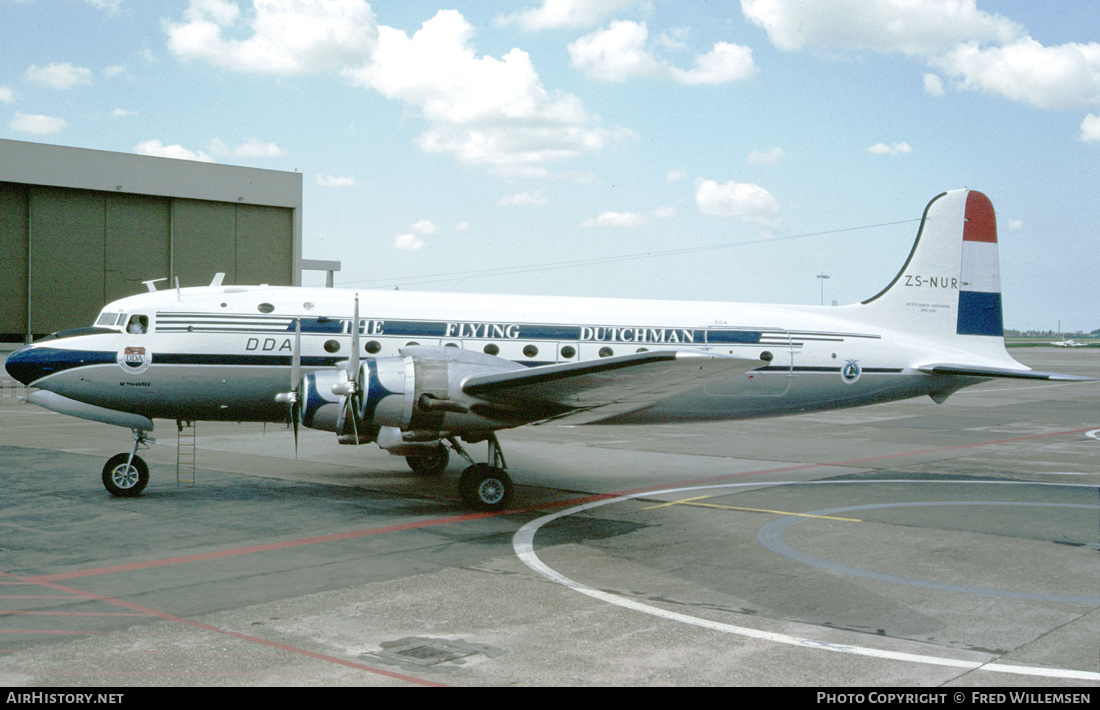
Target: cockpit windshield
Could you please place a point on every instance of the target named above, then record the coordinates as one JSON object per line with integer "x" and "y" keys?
{"x": 107, "y": 319}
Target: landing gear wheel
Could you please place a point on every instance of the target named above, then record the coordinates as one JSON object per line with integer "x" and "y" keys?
{"x": 122, "y": 480}
{"x": 484, "y": 487}
{"x": 432, "y": 464}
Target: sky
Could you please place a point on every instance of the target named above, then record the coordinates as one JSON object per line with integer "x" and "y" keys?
{"x": 705, "y": 150}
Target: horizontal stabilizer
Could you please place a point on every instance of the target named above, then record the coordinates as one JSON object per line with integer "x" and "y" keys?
{"x": 971, "y": 371}
{"x": 607, "y": 387}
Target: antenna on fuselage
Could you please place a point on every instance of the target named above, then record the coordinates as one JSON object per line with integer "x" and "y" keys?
{"x": 152, "y": 283}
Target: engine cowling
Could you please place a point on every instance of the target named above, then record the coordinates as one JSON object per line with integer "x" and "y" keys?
{"x": 420, "y": 391}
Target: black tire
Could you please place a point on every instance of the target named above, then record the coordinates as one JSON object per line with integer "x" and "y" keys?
{"x": 484, "y": 487}
{"x": 123, "y": 481}
{"x": 432, "y": 465}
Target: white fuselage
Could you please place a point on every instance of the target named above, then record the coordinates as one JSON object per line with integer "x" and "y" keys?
{"x": 224, "y": 353}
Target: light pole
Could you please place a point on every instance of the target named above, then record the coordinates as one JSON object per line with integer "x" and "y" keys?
{"x": 823, "y": 277}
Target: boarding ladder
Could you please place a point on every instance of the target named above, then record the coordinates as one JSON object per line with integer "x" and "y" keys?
{"x": 185, "y": 453}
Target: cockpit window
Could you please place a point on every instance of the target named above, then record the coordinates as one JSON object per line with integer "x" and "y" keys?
{"x": 138, "y": 324}
{"x": 110, "y": 319}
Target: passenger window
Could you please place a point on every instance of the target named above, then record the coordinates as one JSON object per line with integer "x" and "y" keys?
{"x": 138, "y": 325}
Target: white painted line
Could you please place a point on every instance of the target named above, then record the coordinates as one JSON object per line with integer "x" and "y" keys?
{"x": 1094, "y": 434}
{"x": 523, "y": 544}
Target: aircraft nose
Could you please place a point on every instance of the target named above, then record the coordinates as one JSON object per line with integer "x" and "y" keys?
{"x": 27, "y": 364}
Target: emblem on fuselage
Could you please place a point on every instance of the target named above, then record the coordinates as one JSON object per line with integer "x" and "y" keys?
{"x": 851, "y": 371}
{"x": 134, "y": 359}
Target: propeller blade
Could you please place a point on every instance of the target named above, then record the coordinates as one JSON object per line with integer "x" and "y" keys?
{"x": 353, "y": 371}
{"x": 294, "y": 396}
{"x": 353, "y": 363}
{"x": 295, "y": 415}
{"x": 296, "y": 382}
{"x": 296, "y": 358}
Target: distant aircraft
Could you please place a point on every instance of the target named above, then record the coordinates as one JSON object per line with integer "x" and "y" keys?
{"x": 421, "y": 373}
{"x": 1063, "y": 343}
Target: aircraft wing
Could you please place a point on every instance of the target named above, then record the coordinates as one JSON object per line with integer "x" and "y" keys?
{"x": 593, "y": 390}
{"x": 971, "y": 371}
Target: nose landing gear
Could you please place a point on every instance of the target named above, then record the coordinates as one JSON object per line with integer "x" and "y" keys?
{"x": 126, "y": 475}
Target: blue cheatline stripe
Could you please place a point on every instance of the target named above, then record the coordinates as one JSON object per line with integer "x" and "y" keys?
{"x": 980, "y": 314}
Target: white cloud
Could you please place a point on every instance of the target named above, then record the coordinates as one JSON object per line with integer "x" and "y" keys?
{"x": 482, "y": 110}
{"x": 770, "y": 156}
{"x": 59, "y": 75}
{"x": 1090, "y": 128}
{"x": 536, "y": 198}
{"x": 628, "y": 219}
{"x": 621, "y": 52}
{"x": 282, "y": 37}
{"x": 1065, "y": 76}
{"x": 424, "y": 226}
{"x": 725, "y": 63}
{"x": 675, "y": 175}
{"x": 462, "y": 227}
{"x": 38, "y": 124}
{"x": 977, "y": 50}
{"x": 1014, "y": 224}
{"x": 555, "y": 14}
{"x": 158, "y": 150}
{"x": 617, "y": 219}
{"x": 615, "y": 54}
{"x": 6, "y": 95}
{"x": 913, "y": 27}
{"x": 408, "y": 242}
{"x": 122, "y": 113}
{"x": 335, "y": 181}
{"x": 933, "y": 84}
{"x": 745, "y": 201}
{"x": 891, "y": 149}
{"x": 251, "y": 148}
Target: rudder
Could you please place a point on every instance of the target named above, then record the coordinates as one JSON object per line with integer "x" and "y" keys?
{"x": 951, "y": 282}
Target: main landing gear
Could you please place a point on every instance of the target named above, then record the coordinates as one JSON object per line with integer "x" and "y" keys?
{"x": 126, "y": 475}
{"x": 482, "y": 486}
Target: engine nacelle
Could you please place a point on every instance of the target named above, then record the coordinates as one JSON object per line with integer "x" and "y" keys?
{"x": 420, "y": 391}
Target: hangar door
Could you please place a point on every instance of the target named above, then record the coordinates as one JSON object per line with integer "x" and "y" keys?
{"x": 64, "y": 252}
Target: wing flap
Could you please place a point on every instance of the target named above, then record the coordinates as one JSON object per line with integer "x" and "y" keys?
{"x": 597, "y": 389}
{"x": 972, "y": 371}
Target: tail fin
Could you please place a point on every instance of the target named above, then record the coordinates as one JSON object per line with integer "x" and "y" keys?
{"x": 949, "y": 292}
{"x": 951, "y": 282}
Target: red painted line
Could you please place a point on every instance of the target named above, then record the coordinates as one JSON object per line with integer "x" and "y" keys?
{"x": 49, "y": 581}
{"x": 432, "y": 522}
{"x": 286, "y": 544}
{"x": 849, "y": 462}
{"x": 69, "y": 613}
{"x": 50, "y": 632}
{"x": 232, "y": 634}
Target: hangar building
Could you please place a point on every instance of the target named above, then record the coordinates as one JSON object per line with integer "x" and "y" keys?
{"x": 80, "y": 228}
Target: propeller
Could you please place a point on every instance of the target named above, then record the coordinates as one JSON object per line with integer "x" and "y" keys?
{"x": 350, "y": 389}
{"x": 293, "y": 398}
